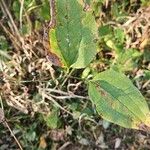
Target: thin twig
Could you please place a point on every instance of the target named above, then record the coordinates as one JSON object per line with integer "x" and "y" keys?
{"x": 19, "y": 145}
{"x": 51, "y": 24}
{"x": 5, "y": 16}
{"x": 64, "y": 146}
{"x": 11, "y": 36}
{"x": 67, "y": 95}
{"x": 55, "y": 103}
{"x": 1, "y": 103}
{"x": 67, "y": 77}
{"x": 75, "y": 85}
{"x": 3, "y": 120}
{"x": 56, "y": 91}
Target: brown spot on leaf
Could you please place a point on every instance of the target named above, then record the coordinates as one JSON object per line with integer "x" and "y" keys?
{"x": 143, "y": 127}
{"x": 54, "y": 59}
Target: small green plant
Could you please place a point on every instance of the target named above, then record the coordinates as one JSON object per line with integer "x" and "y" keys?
{"x": 74, "y": 40}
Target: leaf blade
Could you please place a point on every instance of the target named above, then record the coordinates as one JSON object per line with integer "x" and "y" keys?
{"x": 118, "y": 94}
{"x": 75, "y": 33}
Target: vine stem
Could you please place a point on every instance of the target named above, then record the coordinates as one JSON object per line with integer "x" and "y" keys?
{"x": 52, "y": 14}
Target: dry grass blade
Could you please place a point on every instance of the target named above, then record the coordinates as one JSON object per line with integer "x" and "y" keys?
{"x": 3, "y": 120}
{"x": 13, "y": 38}
{"x": 21, "y": 12}
{"x": 138, "y": 27}
{"x": 19, "y": 145}
{"x": 13, "y": 25}
{"x": 2, "y": 117}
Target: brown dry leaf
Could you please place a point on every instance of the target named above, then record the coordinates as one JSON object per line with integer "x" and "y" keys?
{"x": 137, "y": 27}
{"x": 43, "y": 143}
{"x": 144, "y": 43}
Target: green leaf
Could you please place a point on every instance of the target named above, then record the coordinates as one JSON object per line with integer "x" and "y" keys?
{"x": 127, "y": 59}
{"x": 145, "y": 2}
{"x": 44, "y": 10}
{"x": 52, "y": 118}
{"x": 113, "y": 45}
{"x": 147, "y": 74}
{"x": 118, "y": 100}
{"x": 119, "y": 35}
{"x": 75, "y": 34}
{"x": 85, "y": 72}
{"x": 105, "y": 30}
